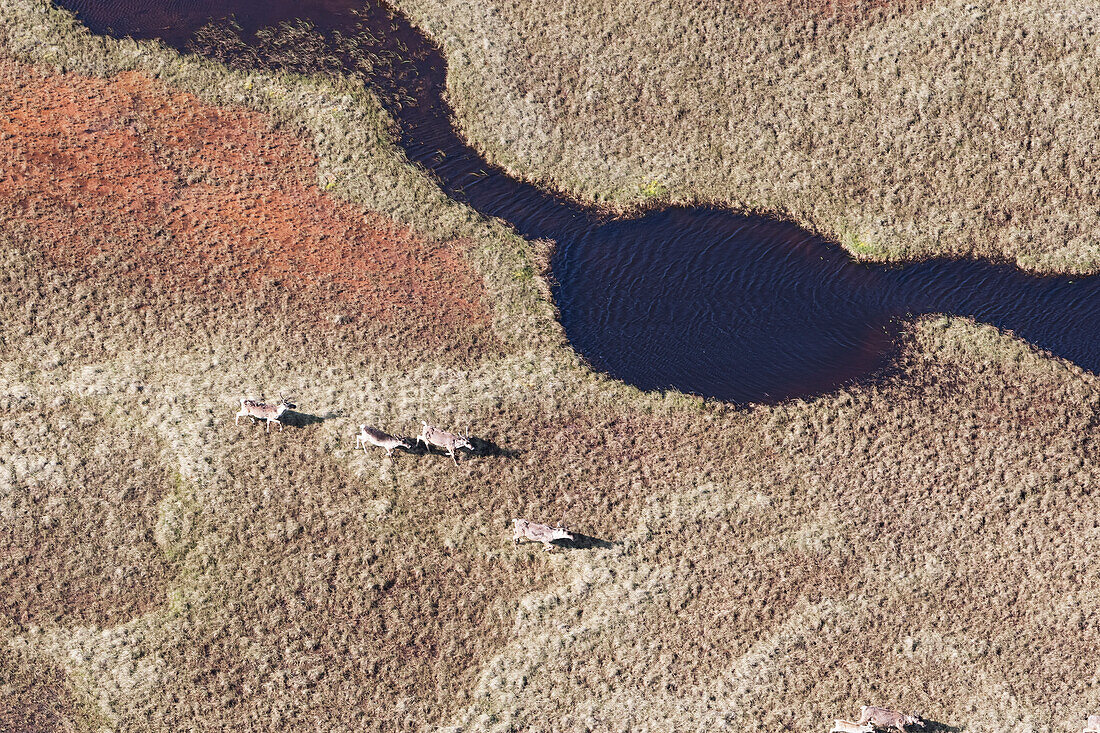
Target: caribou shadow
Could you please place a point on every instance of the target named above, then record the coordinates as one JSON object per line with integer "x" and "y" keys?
{"x": 304, "y": 419}
{"x": 482, "y": 447}
{"x": 584, "y": 542}
{"x": 931, "y": 726}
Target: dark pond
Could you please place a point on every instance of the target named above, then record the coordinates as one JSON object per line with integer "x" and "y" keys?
{"x": 701, "y": 300}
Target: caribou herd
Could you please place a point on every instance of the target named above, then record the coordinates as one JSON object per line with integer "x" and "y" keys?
{"x": 871, "y": 718}
{"x": 430, "y": 437}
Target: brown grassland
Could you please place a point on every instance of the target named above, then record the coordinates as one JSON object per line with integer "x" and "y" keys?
{"x": 175, "y": 235}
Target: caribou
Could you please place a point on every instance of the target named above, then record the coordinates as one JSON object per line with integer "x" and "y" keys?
{"x": 544, "y": 533}
{"x": 847, "y": 726}
{"x": 1092, "y": 725}
{"x": 258, "y": 410}
{"x": 885, "y": 718}
{"x": 376, "y": 437}
{"x": 433, "y": 436}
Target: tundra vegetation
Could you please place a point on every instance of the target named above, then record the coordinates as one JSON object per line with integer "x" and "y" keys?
{"x": 900, "y": 129}
{"x": 925, "y": 541}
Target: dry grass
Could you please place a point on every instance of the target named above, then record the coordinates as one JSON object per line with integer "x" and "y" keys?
{"x": 956, "y": 128}
{"x": 77, "y": 549}
{"x": 35, "y": 696}
{"x": 924, "y": 543}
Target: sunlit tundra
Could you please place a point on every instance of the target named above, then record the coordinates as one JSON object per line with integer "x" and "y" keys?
{"x": 738, "y": 308}
{"x": 272, "y": 214}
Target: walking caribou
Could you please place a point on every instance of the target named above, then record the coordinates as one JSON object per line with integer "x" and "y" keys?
{"x": 440, "y": 438}
{"x": 376, "y": 437}
{"x": 544, "y": 533}
{"x": 885, "y": 718}
{"x": 847, "y": 726}
{"x": 258, "y": 410}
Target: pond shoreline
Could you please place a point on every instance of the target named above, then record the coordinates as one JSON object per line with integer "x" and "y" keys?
{"x": 744, "y": 309}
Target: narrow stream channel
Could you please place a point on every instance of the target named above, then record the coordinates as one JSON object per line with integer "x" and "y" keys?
{"x": 744, "y": 309}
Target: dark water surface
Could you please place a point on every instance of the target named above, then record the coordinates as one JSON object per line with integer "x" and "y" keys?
{"x": 737, "y": 308}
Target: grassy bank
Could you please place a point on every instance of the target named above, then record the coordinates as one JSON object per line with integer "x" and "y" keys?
{"x": 925, "y": 542}
{"x": 943, "y": 128}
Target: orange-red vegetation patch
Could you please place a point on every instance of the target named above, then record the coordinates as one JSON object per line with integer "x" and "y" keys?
{"x": 177, "y": 192}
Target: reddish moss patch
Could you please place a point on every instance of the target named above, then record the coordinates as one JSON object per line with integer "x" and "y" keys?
{"x": 176, "y": 192}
